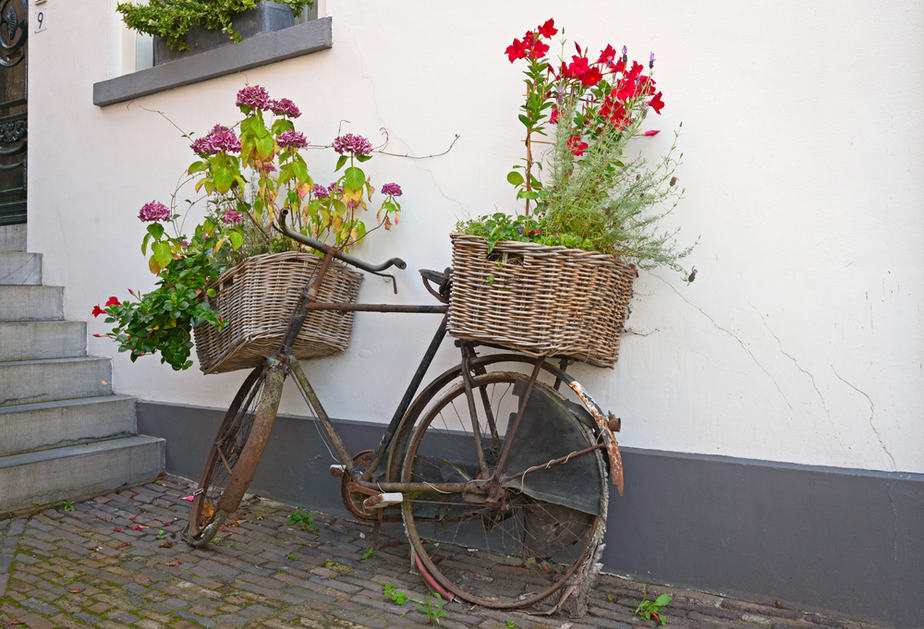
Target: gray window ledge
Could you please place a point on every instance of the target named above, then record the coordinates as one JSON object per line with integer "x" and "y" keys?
{"x": 259, "y": 50}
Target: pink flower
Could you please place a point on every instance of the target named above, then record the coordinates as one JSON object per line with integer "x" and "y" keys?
{"x": 219, "y": 139}
{"x": 291, "y": 139}
{"x": 284, "y": 107}
{"x": 253, "y": 96}
{"x": 320, "y": 192}
{"x": 391, "y": 189}
{"x": 355, "y": 144}
{"x": 154, "y": 211}
{"x": 231, "y": 217}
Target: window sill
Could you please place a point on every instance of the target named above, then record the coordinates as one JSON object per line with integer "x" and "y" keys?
{"x": 262, "y": 49}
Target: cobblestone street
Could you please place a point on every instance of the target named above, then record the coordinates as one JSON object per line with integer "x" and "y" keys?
{"x": 118, "y": 561}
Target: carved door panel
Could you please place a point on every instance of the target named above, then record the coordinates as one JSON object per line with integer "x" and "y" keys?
{"x": 13, "y": 120}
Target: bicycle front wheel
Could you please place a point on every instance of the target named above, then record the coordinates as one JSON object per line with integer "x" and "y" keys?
{"x": 515, "y": 537}
{"x": 234, "y": 456}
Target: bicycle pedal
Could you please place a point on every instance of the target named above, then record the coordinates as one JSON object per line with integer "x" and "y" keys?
{"x": 380, "y": 501}
{"x": 337, "y": 470}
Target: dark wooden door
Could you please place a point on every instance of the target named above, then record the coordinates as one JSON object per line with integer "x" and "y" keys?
{"x": 13, "y": 120}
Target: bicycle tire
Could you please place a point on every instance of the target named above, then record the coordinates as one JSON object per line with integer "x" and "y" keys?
{"x": 234, "y": 456}
{"x": 545, "y": 525}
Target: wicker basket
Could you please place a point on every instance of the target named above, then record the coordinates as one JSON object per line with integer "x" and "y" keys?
{"x": 256, "y": 299}
{"x": 539, "y": 300}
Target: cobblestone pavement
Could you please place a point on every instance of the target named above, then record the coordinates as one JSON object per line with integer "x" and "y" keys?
{"x": 117, "y": 561}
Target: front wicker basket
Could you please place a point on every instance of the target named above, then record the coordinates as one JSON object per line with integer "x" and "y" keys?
{"x": 256, "y": 298}
{"x": 539, "y": 300}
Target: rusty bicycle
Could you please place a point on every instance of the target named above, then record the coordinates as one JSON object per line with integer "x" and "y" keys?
{"x": 502, "y": 459}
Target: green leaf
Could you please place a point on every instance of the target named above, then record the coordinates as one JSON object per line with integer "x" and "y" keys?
{"x": 265, "y": 146}
{"x": 354, "y": 178}
{"x": 162, "y": 253}
{"x": 340, "y": 162}
{"x": 514, "y": 178}
{"x": 156, "y": 230}
{"x": 524, "y": 120}
{"x": 237, "y": 238}
{"x": 144, "y": 244}
{"x": 363, "y": 158}
{"x": 663, "y": 600}
{"x": 282, "y": 125}
{"x": 301, "y": 171}
{"x": 223, "y": 177}
{"x": 196, "y": 167}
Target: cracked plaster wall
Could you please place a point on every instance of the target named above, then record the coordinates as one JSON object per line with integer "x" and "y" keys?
{"x": 802, "y": 339}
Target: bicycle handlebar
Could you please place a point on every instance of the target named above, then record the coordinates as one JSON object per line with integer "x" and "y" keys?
{"x": 333, "y": 251}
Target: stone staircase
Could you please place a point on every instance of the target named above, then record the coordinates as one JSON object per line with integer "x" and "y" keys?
{"x": 64, "y": 435}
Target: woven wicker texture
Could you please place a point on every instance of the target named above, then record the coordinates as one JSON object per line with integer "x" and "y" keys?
{"x": 256, "y": 299}
{"x": 541, "y": 300}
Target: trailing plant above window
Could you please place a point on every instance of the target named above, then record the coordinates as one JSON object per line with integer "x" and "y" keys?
{"x": 592, "y": 189}
{"x": 172, "y": 19}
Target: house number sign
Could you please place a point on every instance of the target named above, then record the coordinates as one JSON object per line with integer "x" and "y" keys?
{"x": 41, "y": 20}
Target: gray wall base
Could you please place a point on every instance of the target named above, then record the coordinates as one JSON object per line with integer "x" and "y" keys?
{"x": 831, "y": 539}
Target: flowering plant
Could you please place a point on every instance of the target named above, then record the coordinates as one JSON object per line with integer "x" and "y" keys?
{"x": 594, "y": 194}
{"x": 246, "y": 179}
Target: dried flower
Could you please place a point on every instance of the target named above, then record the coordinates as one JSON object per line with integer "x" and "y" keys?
{"x": 355, "y": 144}
{"x": 320, "y": 192}
{"x": 391, "y": 189}
{"x": 154, "y": 211}
{"x": 292, "y": 139}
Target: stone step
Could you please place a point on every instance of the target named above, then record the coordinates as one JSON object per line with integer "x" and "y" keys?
{"x": 76, "y": 472}
{"x": 34, "y": 381}
{"x": 28, "y": 427}
{"x": 28, "y": 340}
{"x": 13, "y": 237}
{"x": 19, "y": 267}
{"x": 31, "y": 303}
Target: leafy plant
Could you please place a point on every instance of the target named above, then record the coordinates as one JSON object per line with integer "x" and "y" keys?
{"x": 597, "y": 193}
{"x": 433, "y": 611}
{"x": 67, "y": 505}
{"x": 652, "y": 609}
{"x": 172, "y": 19}
{"x": 396, "y": 597}
{"x": 291, "y": 556}
{"x": 369, "y": 553}
{"x": 244, "y": 183}
{"x": 511, "y": 624}
{"x": 303, "y": 520}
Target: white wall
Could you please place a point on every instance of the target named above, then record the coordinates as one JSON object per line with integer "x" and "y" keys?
{"x": 802, "y": 339}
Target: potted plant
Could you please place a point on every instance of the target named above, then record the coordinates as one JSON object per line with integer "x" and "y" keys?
{"x": 557, "y": 278}
{"x": 179, "y": 26}
{"x": 247, "y": 175}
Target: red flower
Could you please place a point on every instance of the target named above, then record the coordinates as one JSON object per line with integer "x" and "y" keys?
{"x": 656, "y": 103}
{"x": 113, "y": 302}
{"x": 591, "y": 77}
{"x": 97, "y": 311}
{"x": 554, "y": 117}
{"x": 548, "y": 29}
{"x": 516, "y": 50}
{"x": 538, "y": 50}
{"x": 615, "y": 112}
{"x": 577, "y": 67}
{"x": 577, "y": 145}
{"x": 652, "y": 132}
{"x": 607, "y": 55}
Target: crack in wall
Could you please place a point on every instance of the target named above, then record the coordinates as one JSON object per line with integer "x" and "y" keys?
{"x": 805, "y": 371}
{"x": 728, "y": 332}
{"x": 872, "y": 412}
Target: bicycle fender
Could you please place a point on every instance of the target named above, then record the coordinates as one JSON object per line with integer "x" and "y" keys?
{"x": 604, "y": 432}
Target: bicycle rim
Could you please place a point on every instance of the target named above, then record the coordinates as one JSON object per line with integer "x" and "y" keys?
{"x": 222, "y": 460}
{"x": 523, "y": 543}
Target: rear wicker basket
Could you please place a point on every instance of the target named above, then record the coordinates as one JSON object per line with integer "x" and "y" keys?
{"x": 256, "y": 299}
{"x": 539, "y": 300}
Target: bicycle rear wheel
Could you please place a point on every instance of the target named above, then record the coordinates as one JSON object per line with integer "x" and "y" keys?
{"x": 228, "y": 470}
{"x": 536, "y": 527}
